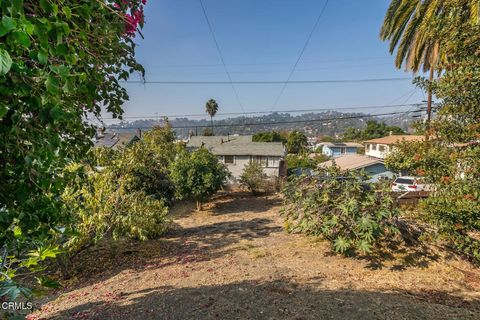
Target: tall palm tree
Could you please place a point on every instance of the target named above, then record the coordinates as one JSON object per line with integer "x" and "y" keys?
{"x": 211, "y": 107}
{"x": 410, "y": 25}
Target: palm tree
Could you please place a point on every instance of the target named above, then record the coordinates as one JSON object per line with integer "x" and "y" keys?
{"x": 410, "y": 25}
{"x": 211, "y": 107}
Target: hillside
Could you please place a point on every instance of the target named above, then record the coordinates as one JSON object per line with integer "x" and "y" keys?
{"x": 313, "y": 124}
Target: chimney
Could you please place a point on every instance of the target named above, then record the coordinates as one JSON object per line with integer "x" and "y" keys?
{"x": 390, "y": 133}
{"x": 139, "y": 133}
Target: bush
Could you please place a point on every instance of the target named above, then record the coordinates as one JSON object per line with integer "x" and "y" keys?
{"x": 343, "y": 210}
{"x": 106, "y": 206}
{"x": 197, "y": 175}
{"x": 253, "y": 177}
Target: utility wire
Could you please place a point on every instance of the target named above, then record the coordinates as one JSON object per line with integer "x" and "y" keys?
{"x": 271, "y": 122}
{"x": 268, "y": 82}
{"x": 300, "y": 55}
{"x": 271, "y": 111}
{"x": 221, "y": 55}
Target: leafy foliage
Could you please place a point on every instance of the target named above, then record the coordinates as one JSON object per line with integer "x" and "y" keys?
{"x": 60, "y": 60}
{"x": 253, "y": 177}
{"x": 373, "y": 130}
{"x": 197, "y": 175}
{"x": 303, "y": 160}
{"x": 338, "y": 207}
{"x": 268, "y": 136}
{"x": 451, "y": 159}
{"x": 296, "y": 142}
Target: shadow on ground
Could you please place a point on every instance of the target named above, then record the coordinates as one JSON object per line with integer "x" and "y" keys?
{"x": 281, "y": 299}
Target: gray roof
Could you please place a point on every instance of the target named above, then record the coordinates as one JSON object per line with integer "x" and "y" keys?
{"x": 114, "y": 139}
{"x": 351, "y": 162}
{"x": 237, "y": 146}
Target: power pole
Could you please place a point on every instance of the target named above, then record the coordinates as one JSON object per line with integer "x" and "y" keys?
{"x": 429, "y": 105}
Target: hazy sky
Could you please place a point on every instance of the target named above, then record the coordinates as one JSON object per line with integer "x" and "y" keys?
{"x": 261, "y": 40}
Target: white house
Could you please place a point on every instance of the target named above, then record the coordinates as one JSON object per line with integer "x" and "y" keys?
{"x": 381, "y": 147}
{"x": 238, "y": 151}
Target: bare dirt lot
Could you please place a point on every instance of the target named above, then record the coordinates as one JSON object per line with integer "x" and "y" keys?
{"x": 234, "y": 261}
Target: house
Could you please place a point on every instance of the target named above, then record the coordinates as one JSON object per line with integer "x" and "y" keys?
{"x": 373, "y": 167}
{"x": 381, "y": 147}
{"x": 115, "y": 139}
{"x": 237, "y": 151}
{"x": 337, "y": 149}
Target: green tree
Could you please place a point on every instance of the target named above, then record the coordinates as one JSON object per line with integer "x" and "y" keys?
{"x": 253, "y": 177}
{"x": 374, "y": 129}
{"x": 59, "y": 61}
{"x": 451, "y": 161}
{"x": 211, "y": 107}
{"x": 268, "y": 136}
{"x": 296, "y": 142}
{"x": 197, "y": 175}
{"x": 412, "y": 27}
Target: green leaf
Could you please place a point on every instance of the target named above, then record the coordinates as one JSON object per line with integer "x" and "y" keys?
{"x": 48, "y": 282}
{"x": 8, "y": 24}
{"x": 13, "y": 290}
{"x": 52, "y": 84}
{"x": 17, "y": 232}
{"x": 42, "y": 57}
{"x": 22, "y": 38}
{"x": 341, "y": 244}
{"x": 3, "y": 111}
{"x": 67, "y": 12}
{"x": 5, "y": 62}
{"x": 364, "y": 247}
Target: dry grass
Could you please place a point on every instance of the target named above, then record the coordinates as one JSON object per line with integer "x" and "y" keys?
{"x": 234, "y": 261}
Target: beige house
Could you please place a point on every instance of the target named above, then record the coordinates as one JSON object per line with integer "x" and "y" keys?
{"x": 381, "y": 147}
{"x": 237, "y": 151}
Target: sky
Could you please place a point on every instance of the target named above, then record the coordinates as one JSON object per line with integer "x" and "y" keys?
{"x": 261, "y": 40}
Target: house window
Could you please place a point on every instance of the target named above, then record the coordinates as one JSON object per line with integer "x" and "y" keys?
{"x": 260, "y": 159}
{"x": 381, "y": 148}
{"x": 343, "y": 150}
{"x": 272, "y": 162}
{"x": 373, "y": 147}
{"x": 229, "y": 159}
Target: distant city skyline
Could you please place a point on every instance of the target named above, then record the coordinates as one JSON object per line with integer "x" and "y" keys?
{"x": 261, "y": 41}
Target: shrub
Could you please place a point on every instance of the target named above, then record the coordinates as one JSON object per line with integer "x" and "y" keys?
{"x": 340, "y": 208}
{"x": 197, "y": 175}
{"x": 253, "y": 177}
{"x": 107, "y": 207}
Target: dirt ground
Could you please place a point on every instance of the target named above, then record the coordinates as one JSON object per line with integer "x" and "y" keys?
{"x": 234, "y": 261}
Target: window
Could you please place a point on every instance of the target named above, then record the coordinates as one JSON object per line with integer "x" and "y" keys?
{"x": 229, "y": 159}
{"x": 260, "y": 159}
{"x": 373, "y": 147}
{"x": 381, "y": 148}
{"x": 343, "y": 150}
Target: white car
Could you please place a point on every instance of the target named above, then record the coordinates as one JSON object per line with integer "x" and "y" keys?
{"x": 408, "y": 183}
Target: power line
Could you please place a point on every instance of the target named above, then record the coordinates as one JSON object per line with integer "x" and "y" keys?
{"x": 272, "y": 122}
{"x": 268, "y": 82}
{"x": 221, "y": 55}
{"x": 271, "y": 111}
{"x": 301, "y": 54}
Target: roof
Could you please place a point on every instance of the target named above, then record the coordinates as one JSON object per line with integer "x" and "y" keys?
{"x": 351, "y": 162}
{"x": 393, "y": 139}
{"x": 237, "y": 146}
{"x": 115, "y": 139}
{"x": 342, "y": 144}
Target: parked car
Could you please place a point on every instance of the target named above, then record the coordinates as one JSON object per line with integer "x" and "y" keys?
{"x": 408, "y": 183}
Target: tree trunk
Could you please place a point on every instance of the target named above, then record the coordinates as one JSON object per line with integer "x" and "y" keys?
{"x": 211, "y": 122}
{"x": 199, "y": 205}
{"x": 429, "y": 106}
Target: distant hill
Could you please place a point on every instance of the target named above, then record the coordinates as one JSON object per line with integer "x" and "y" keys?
{"x": 320, "y": 123}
